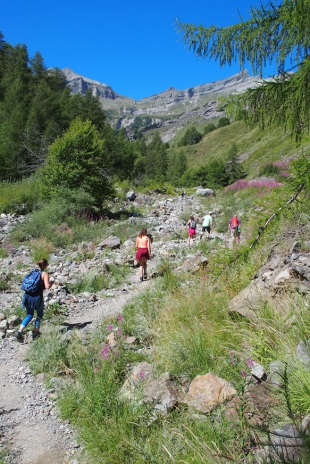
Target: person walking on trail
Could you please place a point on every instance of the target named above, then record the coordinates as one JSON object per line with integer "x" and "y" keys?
{"x": 234, "y": 227}
{"x": 33, "y": 285}
{"x": 143, "y": 254}
{"x": 191, "y": 226}
{"x": 207, "y": 224}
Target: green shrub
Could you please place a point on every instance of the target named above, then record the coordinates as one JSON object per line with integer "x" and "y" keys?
{"x": 223, "y": 122}
{"x": 209, "y": 128}
{"x": 78, "y": 158}
{"x": 269, "y": 170}
{"x": 19, "y": 197}
{"x": 191, "y": 137}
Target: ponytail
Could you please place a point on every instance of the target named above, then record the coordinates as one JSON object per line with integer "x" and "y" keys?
{"x": 42, "y": 263}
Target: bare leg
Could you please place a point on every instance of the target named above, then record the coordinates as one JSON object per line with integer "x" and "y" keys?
{"x": 143, "y": 263}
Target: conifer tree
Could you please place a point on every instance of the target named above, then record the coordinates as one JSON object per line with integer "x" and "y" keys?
{"x": 279, "y": 31}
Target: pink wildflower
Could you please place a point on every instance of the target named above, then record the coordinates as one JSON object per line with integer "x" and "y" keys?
{"x": 120, "y": 318}
{"x": 105, "y": 352}
{"x": 110, "y": 327}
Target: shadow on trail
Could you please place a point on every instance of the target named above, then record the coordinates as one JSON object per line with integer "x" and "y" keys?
{"x": 73, "y": 325}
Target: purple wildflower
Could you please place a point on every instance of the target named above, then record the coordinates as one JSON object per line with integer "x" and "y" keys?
{"x": 110, "y": 327}
{"x": 142, "y": 374}
{"x": 119, "y": 332}
{"x": 250, "y": 362}
{"x": 243, "y": 373}
{"x": 105, "y": 352}
{"x": 120, "y": 318}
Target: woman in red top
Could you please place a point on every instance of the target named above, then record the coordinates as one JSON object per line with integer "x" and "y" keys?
{"x": 143, "y": 245}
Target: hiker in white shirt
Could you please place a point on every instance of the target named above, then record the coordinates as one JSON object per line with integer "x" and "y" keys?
{"x": 207, "y": 224}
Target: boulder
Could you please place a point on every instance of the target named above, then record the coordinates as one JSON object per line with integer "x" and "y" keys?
{"x": 207, "y": 391}
{"x": 205, "y": 192}
{"x": 131, "y": 195}
{"x": 110, "y": 242}
{"x": 303, "y": 352}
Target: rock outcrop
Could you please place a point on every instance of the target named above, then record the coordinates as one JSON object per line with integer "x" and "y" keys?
{"x": 167, "y": 110}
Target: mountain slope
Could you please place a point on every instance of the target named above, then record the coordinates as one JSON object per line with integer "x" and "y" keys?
{"x": 167, "y": 111}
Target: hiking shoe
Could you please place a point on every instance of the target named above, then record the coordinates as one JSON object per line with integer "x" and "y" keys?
{"x": 35, "y": 334}
{"x": 145, "y": 277}
{"x": 19, "y": 336}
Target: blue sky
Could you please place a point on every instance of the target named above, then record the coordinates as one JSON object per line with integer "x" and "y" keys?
{"x": 133, "y": 47}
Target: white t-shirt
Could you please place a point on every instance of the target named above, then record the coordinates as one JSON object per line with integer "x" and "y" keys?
{"x": 207, "y": 221}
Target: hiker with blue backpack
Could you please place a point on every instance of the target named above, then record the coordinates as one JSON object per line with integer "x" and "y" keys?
{"x": 33, "y": 285}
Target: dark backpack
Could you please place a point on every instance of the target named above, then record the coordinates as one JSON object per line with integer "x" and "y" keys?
{"x": 32, "y": 283}
{"x": 192, "y": 224}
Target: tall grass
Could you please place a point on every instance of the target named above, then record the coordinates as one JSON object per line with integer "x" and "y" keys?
{"x": 19, "y": 197}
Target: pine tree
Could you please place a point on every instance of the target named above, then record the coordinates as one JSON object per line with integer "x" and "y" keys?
{"x": 279, "y": 31}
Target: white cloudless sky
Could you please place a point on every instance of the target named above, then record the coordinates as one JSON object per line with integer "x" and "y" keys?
{"x": 132, "y": 46}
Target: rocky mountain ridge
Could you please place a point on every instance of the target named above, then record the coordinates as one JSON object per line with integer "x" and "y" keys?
{"x": 168, "y": 110}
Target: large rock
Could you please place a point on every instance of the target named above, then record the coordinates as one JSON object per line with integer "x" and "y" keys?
{"x": 303, "y": 352}
{"x": 110, "y": 242}
{"x": 131, "y": 195}
{"x": 205, "y": 192}
{"x": 194, "y": 264}
{"x": 142, "y": 386}
{"x": 207, "y": 391}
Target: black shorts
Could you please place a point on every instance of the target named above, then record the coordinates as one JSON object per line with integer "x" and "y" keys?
{"x": 207, "y": 228}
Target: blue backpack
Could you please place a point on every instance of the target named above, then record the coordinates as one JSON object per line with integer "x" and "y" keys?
{"x": 32, "y": 283}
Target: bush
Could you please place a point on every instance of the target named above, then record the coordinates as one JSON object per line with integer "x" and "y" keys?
{"x": 191, "y": 136}
{"x": 269, "y": 170}
{"x": 78, "y": 160}
{"x": 19, "y": 197}
{"x": 209, "y": 128}
{"x": 223, "y": 122}
{"x": 60, "y": 210}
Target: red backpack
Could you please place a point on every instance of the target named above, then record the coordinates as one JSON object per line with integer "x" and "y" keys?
{"x": 234, "y": 222}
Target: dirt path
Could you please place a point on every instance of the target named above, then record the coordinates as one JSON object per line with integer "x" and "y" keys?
{"x": 30, "y": 430}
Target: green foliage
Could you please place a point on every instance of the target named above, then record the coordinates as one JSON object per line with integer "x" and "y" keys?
{"x": 234, "y": 169}
{"x": 269, "y": 170}
{"x": 35, "y": 108}
{"x": 176, "y": 167}
{"x": 211, "y": 175}
{"x": 301, "y": 174}
{"x": 209, "y": 128}
{"x": 223, "y": 122}
{"x": 95, "y": 282}
{"x": 40, "y": 249}
{"x": 78, "y": 160}
{"x": 60, "y": 210}
{"x": 273, "y": 33}
{"x": 19, "y": 197}
{"x": 191, "y": 137}
{"x": 50, "y": 353}
{"x": 157, "y": 159}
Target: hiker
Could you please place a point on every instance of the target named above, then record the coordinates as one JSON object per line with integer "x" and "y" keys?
{"x": 191, "y": 226}
{"x": 207, "y": 224}
{"x": 143, "y": 254}
{"x": 33, "y": 300}
{"x": 234, "y": 227}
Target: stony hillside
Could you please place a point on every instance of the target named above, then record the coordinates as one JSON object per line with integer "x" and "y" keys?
{"x": 167, "y": 111}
